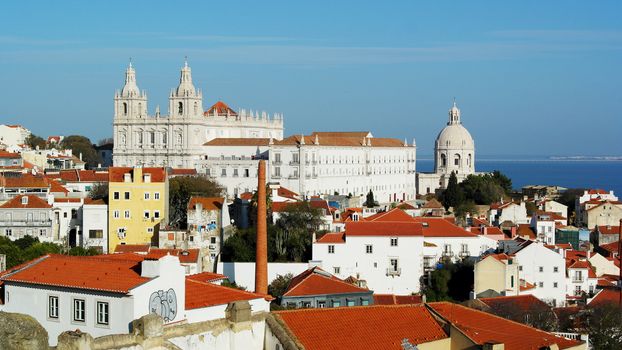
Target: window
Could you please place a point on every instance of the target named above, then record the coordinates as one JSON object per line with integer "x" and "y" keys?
{"x": 369, "y": 249}
{"x": 146, "y": 195}
{"x": 394, "y": 242}
{"x": 78, "y": 310}
{"x": 180, "y": 108}
{"x": 212, "y": 240}
{"x": 156, "y": 214}
{"x": 555, "y": 269}
{"x": 321, "y": 304}
{"x": 223, "y": 172}
{"x": 336, "y": 303}
{"x": 235, "y": 172}
{"x": 102, "y": 313}
{"x": 96, "y": 233}
{"x": 520, "y": 268}
{"x": 127, "y": 214}
{"x": 541, "y": 269}
{"x": 512, "y": 281}
{"x": 156, "y": 195}
{"x": 554, "y": 284}
{"x": 127, "y": 195}
{"x": 364, "y": 302}
{"x": 65, "y": 214}
{"x": 121, "y": 232}
{"x": 393, "y": 263}
{"x": 246, "y": 173}
{"x": 336, "y": 270}
{"x": 116, "y": 214}
{"x": 146, "y": 214}
{"x": 8, "y": 232}
{"x": 350, "y": 302}
{"x": 53, "y": 306}
{"x": 42, "y": 232}
{"x": 74, "y": 213}
{"x": 277, "y": 171}
{"x": 540, "y": 284}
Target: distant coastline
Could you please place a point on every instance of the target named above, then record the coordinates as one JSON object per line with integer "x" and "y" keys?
{"x": 514, "y": 158}
{"x": 605, "y": 158}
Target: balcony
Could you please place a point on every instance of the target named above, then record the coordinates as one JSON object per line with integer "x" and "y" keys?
{"x": 293, "y": 176}
{"x": 448, "y": 254}
{"x": 294, "y": 162}
{"x": 427, "y": 268}
{"x": 464, "y": 254}
{"x": 276, "y": 162}
{"x": 25, "y": 223}
{"x": 576, "y": 279}
{"x": 394, "y": 271}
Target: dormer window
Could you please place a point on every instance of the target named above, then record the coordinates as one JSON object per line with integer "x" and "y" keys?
{"x": 24, "y": 200}
{"x": 147, "y": 178}
{"x": 127, "y": 177}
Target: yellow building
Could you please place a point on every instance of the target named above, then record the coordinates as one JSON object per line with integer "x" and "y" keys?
{"x": 498, "y": 273}
{"x": 138, "y": 204}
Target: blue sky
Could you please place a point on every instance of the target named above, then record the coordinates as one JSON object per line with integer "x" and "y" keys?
{"x": 531, "y": 77}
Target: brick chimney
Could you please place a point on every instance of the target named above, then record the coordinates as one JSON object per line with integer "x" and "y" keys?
{"x": 261, "y": 259}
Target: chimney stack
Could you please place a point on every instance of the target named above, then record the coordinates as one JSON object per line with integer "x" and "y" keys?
{"x": 261, "y": 256}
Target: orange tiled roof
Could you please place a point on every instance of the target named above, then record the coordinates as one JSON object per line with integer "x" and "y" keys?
{"x": 190, "y": 256}
{"x": 110, "y": 275}
{"x": 606, "y": 296}
{"x": 332, "y": 237}
{"x": 525, "y": 230}
{"x": 522, "y": 303}
{"x": 392, "y": 299}
{"x": 91, "y": 201}
{"x": 24, "y": 181}
{"x": 406, "y": 206}
{"x": 439, "y": 227}
{"x": 327, "y": 139}
{"x": 432, "y": 204}
{"x": 524, "y": 285}
{"x": 219, "y": 108}
{"x": 597, "y": 191}
{"x": 363, "y": 327}
{"x": 500, "y": 257}
{"x": 609, "y": 230}
{"x": 482, "y": 327}
{"x": 371, "y": 228}
{"x": 34, "y": 202}
{"x": 10, "y": 155}
{"x": 611, "y": 247}
{"x": 67, "y": 200}
{"x": 393, "y": 215}
{"x": 183, "y": 171}
{"x": 56, "y": 187}
{"x": 285, "y": 193}
{"x": 207, "y": 277}
{"x": 132, "y": 248}
{"x": 75, "y": 175}
{"x": 316, "y": 281}
{"x": 208, "y": 203}
{"x": 116, "y": 174}
{"x": 247, "y": 196}
{"x": 205, "y": 294}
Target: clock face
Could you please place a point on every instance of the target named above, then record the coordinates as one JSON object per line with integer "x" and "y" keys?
{"x": 164, "y": 304}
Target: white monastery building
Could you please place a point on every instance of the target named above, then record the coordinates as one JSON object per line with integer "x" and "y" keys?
{"x": 176, "y": 139}
{"x": 454, "y": 151}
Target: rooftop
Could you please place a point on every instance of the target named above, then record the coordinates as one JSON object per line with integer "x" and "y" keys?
{"x": 316, "y": 281}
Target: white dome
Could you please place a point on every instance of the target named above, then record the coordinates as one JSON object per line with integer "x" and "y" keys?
{"x": 455, "y": 136}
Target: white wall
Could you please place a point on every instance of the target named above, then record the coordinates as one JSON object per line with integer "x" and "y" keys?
{"x": 534, "y": 256}
{"x": 95, "y": 217}
{"x": 243, "y": 273}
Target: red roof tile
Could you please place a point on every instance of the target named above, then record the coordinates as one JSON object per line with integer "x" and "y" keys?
{"x": 393, "y": 215}
{"x": 92, "y": 273}
{"x": 525, "y": 230}
{"x": 208, "y": 203}
{"x": 219, "y": 108}
{"x": 439, "y": 227}
{"x": 371, "y": 228}
{"x": 316, "y": 281}
{"x": 285, "y": 193}
{"x": 205, "y": 294}
{"x": 379, "y": 327}
{"x": 392, "y": 299}
{"x": 207, "y": 277}
{"x": 190, "y": 256}
{"x": 406, "y": 206}
{"x": 608, "y": 229}
{"x": 482, "y": 327}
{"x": 521, "y": 303}
{"x": 606, "y": 296}
{"x": 132, "y": 248}
{"x": 116, "y": 174}
{"x": 332, "y": 237}
{"x": 24, "y": 181}
{"x": 33, "y": 202}
{"x": 10, "y": 155}
{"x": 247, "y": 196}
{"x": 182, "y": 171}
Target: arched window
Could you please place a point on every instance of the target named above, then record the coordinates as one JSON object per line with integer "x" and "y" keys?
{"x": 180, "y": 108}
{"x": 178, "y": 138}
{"x": 457, "y": 159}
{"x": 164, "y": 137}
{"x": 122, "y": 139}
{"x": 469, "y": 160}
{"x": 124, "y": 108}
{"x": 196, "y": 108}
{"x": 443, "y": 160}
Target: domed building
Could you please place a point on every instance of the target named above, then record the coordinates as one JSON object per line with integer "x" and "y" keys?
{"x": 454, "y": 151}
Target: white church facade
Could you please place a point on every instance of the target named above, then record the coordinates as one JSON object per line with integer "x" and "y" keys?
{"x": 176, "y": 139}
{"x": 454, "y": 151}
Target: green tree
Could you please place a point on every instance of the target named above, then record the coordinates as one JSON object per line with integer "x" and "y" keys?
{"x": 240, "y": 246}
{"x": 181, "y": 189}
{"x": 370, "y": 202}
{"x": 453, "y": 194}
{"x": 451, "y": 282}
{"x": 604, "y": 324}
{"x": 99, "y": 191}
{"x": 294, "y": 231}
{"x": 279, "y": 286}
{"x": 33, "y": 141}
{"x": 81, "y": 145}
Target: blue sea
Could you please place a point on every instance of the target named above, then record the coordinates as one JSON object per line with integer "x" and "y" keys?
{"x": 604, "y": 174}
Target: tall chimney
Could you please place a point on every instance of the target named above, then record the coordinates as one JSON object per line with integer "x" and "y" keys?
{"x": 261, "y": 256}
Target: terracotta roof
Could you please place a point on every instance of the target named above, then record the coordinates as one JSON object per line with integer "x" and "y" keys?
{"x": 238, "y": 141}
{"x": 326, "y": 139}
{"x": 247, "y": 196}
{"x": 405, "y": 206}
{"x": 392, "y": 299}
{"x": 67, "y": 200}
{"x": 489, "y": 230}
{"x": 521, "y": 303}
{"x": 581, "y": 264}
{"x": 371, "y": 228}
{"x": 132, "y": 248}
{"x": 91, "y": 201}
{"x": 500, "y": 205}
{"x": 316, "y": 281}
{"x": 439, "y": 227}
{"x": 482, "y": 327}
{"x": 393, "y": 215}
{"x": 116, "y": 174}
{"x": 219, "y": 108}
{"x": 33, "y": 202}
{"x": 24, "y": 181}
{"x": 500, "y": 257}
{"x": 182, "y": 171}
{"x": 75, "y": 175}
{"x": 379, "y": 327}
{"x": 317, "y": 204}
{"x": 336, "y": 237}
{"x": 551, "y": 215}
{"x": 206, "y": 294}
{"x": 606, "y": 296}
{"x": 597, "y": 191}
{"x": 92, "y": 273}
{"x": 56, "y": 187}
{"x": 359, "y": 134}
{"x": 612, "y": 247}
{"x": 10, "y": 155}
{"x": 604, "y": 203}
{"x": 285, "y": 193}
{"x": 525, "y": 230}
{"x": 524, "y": 285}
{"x": 208, "y": 203}
{"x": 207, "y": 277}
{"x": 608, "y": 229}
{"x": 479, "y": 222}
{"x": 190, "y": 256}
{"x": 432, "y": 204}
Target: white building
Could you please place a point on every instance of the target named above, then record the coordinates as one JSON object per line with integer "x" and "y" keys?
{"x": 175, "y": 139}
{"x": 508, "y": 211}
{"x": 594, "y": 197}
{"x": 13, "y": 135}
{"x": 454, "y": 151}
{"x": 392, "y": 250}
{"x": 95, "y": 225}
{"x": 102, "y": 295}
{"x": 317, "y": 164}
{"x": 28, "y": 215}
